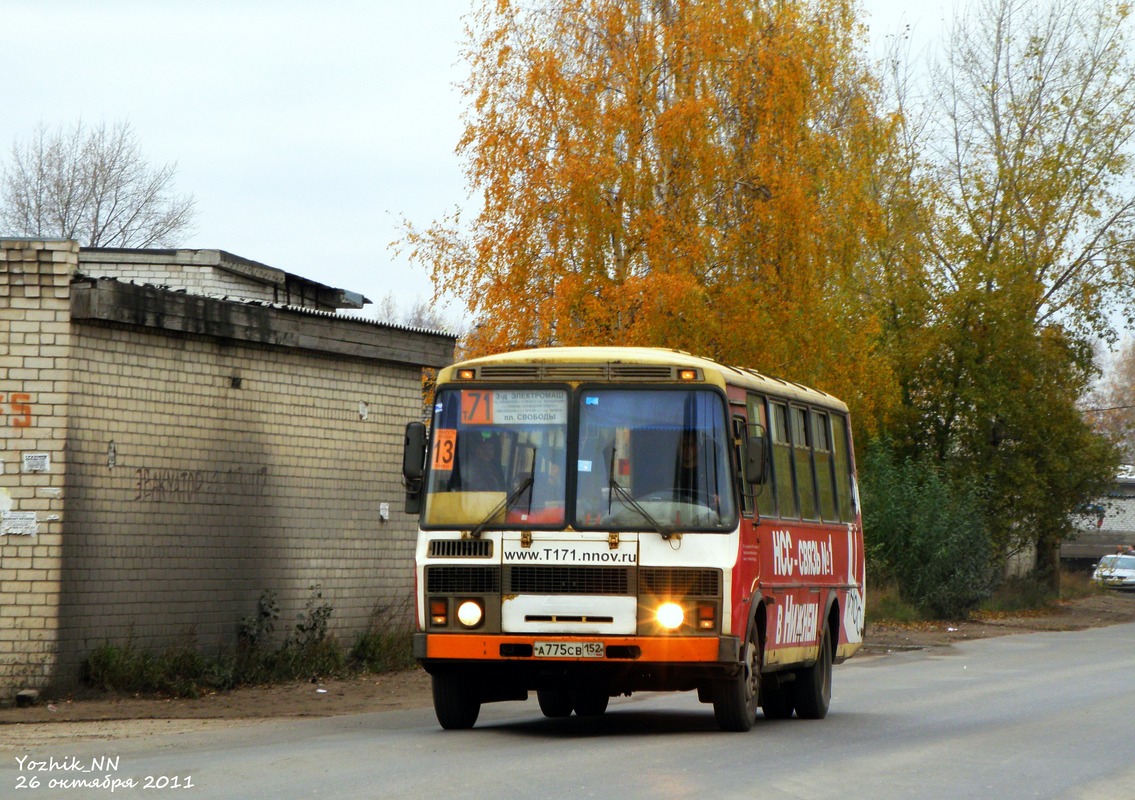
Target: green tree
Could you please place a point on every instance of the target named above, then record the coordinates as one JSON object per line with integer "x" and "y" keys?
{"x": 1022, "y": 223}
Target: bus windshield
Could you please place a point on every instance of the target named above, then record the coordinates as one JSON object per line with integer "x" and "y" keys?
{"x": 498, "y": 457}
{"x": 653, "y": 458}
{"x": 644, "y": 459}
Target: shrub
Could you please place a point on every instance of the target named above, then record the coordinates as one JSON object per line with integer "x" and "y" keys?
{"x": 925, "y": 533}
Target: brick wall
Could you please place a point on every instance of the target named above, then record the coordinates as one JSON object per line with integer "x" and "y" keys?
{"x": 34, "y": 369}
{"x": 169, "y": 457}
{"x": 204, "y": 472}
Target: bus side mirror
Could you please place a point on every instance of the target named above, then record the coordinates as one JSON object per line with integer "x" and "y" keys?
{"x": 756, "y": 459}
{"x": 414, "y": 465}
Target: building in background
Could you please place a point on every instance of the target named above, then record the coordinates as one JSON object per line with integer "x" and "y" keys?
{"x": 183, "y": 430}
{"x": 1107, "y": 525}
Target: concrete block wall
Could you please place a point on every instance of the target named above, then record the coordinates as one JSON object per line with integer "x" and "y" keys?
{"x": 204, "y": 471}
{"x": 34, "y": 378}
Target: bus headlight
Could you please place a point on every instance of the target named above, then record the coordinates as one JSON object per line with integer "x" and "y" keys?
{"x": 470, "y": 613}
{"x": 670, "y": 616}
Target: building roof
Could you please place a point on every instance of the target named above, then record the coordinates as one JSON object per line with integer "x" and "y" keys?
{"x": 109, "y": 299}
{"x": 286, "y": 287}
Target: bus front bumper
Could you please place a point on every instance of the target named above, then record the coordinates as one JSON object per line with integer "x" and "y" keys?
{"x": 509, "y": 647}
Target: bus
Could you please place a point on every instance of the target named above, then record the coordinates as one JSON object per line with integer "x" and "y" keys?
{"x": 601, "y": 521}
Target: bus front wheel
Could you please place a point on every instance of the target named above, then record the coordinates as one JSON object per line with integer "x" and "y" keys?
{"x": 735, "y": 699}
{"x": 457, "y": 701}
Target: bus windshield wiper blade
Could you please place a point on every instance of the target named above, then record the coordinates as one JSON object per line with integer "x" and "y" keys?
{"x": 627, "y": 500}
{"x": 503, "y": 506}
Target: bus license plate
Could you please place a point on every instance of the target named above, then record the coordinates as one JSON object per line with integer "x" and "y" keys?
{"x": 569, "y": 649}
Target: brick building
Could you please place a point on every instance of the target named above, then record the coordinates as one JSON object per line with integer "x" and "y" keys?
{"x": 1106, "y": 525}
{"x": 181, "y": 431}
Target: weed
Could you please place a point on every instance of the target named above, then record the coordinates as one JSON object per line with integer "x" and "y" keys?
{"x": 253, "y": 629}
{"x": 310, "y": 651}
{"x": 885, "y": 604}
{"x": 1015, "y": 595}
{"x": 385, "y": 645}
{"x": 179, "y": 670}
{"x": 1074, "y": 585}
{"x": 312, "y": 626}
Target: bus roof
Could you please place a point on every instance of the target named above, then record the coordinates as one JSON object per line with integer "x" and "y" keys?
{"x": 714, "y": 373}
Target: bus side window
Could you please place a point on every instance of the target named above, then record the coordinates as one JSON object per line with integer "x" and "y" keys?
{"x": 802, "y": 455}
{"x": 842, "y": 467}
{"x": 782, "y": 462}
{"x": 822, "y": 451}
{"x": 766, "y": 492}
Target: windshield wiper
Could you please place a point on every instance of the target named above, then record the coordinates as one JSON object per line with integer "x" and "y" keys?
{"x": 627, "y": 500}
{"x": 502, "y": 507}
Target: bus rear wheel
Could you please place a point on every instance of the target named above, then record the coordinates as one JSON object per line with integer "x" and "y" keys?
{"x": 814, "y": 684}
{"x": 777, "y": 701}
{"x": 457, "y": 701}
{"x": 590, "y": 702}
{"x": 554, "y": 703}
{"x": 735, "y": 699}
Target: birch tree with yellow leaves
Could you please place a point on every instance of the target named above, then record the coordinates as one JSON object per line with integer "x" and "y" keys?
{"x": 671, "y": 173}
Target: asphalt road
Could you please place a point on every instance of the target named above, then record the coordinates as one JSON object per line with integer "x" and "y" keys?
{"x": 1031, "y": 716}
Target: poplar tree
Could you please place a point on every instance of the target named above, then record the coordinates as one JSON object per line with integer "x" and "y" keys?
{"x": 1016, "y": 220}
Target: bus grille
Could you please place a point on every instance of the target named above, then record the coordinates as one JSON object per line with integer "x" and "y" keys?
{"x": 577, "y": 372}
{"x": 641, "y": 372}
{"x": 680, "y": 582}
{"x": 568, "y": 580}
{"x": 462, "y": 580}
{"x": 461, "y": 548}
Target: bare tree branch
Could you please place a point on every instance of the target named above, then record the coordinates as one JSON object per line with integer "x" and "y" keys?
{"x": 93, "y": 185}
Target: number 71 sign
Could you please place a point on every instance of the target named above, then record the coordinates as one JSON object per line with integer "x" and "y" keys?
{"x": 476, "y": 407}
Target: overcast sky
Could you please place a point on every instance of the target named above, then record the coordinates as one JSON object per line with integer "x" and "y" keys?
{"x": 305, "y": 130}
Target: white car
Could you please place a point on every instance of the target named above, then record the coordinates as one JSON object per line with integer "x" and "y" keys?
{"x": 1116, "y": 572}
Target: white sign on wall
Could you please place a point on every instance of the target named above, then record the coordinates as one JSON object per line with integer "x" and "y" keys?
{"x": 18, "y": 523}
{"x": 37, "y": 462}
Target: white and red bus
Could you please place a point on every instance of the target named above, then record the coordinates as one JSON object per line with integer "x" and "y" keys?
{"x": 602, "y": 521}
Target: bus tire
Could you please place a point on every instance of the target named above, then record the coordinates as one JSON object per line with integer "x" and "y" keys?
{"x": 777, "y": 700}
{"x": 554, "y": 703}
{"x": 457, "y": 701}
{"x": 735, "y": 699}
{"x": 813, "y": 684}
{"x": 590, "y": 702}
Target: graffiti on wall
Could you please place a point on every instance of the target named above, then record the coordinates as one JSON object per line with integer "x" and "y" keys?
{"x": 16, "y": 409}
{"x": 161, "y": 485}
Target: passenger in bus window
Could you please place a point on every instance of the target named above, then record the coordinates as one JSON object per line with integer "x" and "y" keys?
{"x": 480, "y": 467}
